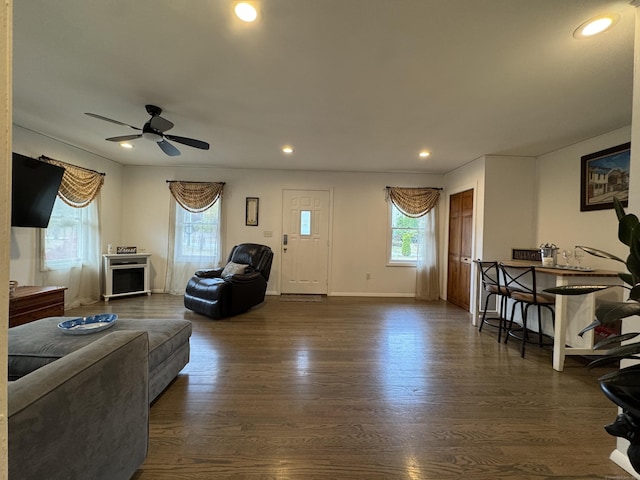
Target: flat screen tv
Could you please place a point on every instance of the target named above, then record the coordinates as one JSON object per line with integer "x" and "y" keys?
{"x": 34, "y": 186}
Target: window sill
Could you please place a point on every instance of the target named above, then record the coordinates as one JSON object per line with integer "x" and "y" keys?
{"x": 401, "y": 264}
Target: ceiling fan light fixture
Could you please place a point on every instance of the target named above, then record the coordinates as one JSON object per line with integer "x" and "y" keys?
{"x": 126, "y": 145}
{"x": 287, "y": 149}
{"x": 424, "y": 154}
{"x": 596, "y": 25}
{"x": 245, "y": 11}
{"x": 154, "y": 137}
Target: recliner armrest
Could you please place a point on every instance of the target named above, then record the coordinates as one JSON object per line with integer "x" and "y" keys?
{"x": 209, "y": 273}
{"x": 243, "y": 277}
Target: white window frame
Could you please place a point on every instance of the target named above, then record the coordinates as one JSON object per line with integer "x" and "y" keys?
{"x": 181, "y": 215}
{"x": 80, "y": 218}
{"x": 390, "y": 261}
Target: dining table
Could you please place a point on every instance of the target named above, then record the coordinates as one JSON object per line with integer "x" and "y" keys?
{"x": 572, "y": 312}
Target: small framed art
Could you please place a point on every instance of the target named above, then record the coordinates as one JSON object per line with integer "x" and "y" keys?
{"x": 251, "y": 211}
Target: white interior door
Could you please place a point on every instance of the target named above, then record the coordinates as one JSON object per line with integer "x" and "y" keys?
{"x": 305, "y": 242}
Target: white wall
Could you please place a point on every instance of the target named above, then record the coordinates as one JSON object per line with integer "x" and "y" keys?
{"x": 558, "y": 217}
{"x": 359, "y": 213}
{"x": 509, "y": 204}
{"x": 23, "y": 265}
{"x": 6, "y": 23}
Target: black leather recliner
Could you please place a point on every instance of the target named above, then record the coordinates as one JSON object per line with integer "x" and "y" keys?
{"x": 214, "y": 295}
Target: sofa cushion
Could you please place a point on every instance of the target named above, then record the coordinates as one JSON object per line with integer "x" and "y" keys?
{"x": 38, "y": 343}
{"x": 233, "y": 268}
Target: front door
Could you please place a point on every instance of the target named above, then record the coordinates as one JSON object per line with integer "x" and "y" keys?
{"x": 305, "y": 242}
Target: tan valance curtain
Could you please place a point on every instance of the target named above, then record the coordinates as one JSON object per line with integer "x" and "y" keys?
{"x": 195, "y": 197}
{"x": 79, "y": 185}
{"x": 413, "y": 202}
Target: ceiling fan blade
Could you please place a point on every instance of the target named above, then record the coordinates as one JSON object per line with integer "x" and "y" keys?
{"x": 123, "y": 138}
{"x": 189, "y": 141}
{"x": 160, "y": 124}
{"x": 100, "y": 117}
{"x": 168, "y": 148}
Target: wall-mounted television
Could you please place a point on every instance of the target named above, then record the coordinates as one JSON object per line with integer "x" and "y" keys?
{"x": 34, "y": 186}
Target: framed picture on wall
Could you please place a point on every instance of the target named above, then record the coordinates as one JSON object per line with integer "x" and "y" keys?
{"x": 604, "y": 175}
{"x": 251, "y": 212}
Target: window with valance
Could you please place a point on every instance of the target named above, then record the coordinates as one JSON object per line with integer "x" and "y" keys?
{"x": 80, "y": 186}
{"x": 196, "y": 197}
{"x": 413, "y": 236}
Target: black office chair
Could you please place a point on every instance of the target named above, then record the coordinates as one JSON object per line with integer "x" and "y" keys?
{"x": 520, "y": 284}
{"x": 490, "y": 278}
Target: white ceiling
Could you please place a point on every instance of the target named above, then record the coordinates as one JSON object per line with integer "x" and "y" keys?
{"x": 354, "y": 85}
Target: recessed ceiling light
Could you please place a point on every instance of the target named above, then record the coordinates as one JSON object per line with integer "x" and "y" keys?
{"x": 246, "y": 12}
{"x": 126, "y": 145}
{"x": 424, "y": 154}
{"x": 596, "y": 25}
{"x": 287, "y": 149}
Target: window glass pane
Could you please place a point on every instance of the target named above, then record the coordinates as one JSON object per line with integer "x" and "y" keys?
{"x": 63, "y": 238}
{"x": 196, "y": 233}
{"x": 404, "y": 237}
{"x": 305, "y": 222}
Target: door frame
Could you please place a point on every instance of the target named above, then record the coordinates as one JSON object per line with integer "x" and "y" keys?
{"x": 445, "y": 241}
{"x": 329, "y": 233}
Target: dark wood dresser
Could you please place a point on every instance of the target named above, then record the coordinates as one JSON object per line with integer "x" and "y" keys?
{"x": 27, "y": 304}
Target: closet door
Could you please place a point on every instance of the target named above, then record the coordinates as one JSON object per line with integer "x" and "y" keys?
{"x": 460, "y": 243}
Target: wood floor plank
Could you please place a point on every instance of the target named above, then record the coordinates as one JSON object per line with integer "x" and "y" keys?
{"x": 368, "y": 388}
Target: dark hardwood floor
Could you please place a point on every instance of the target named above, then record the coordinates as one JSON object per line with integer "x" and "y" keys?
{"x": 366, "y": 388}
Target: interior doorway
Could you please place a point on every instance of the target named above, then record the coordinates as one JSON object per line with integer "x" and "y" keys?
{"x": 460, "y": 249}
{"x": 305, "y": 242}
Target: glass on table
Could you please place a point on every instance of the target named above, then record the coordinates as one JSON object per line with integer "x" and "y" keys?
{"x": 567, "y": 254}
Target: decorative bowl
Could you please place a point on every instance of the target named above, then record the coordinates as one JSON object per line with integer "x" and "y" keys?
{"x": 85, "y": 325}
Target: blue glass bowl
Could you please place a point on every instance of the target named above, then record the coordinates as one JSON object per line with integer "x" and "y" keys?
{"x": 85, "y": 325}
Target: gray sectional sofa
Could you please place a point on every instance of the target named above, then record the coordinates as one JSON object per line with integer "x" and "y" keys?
{"x": 79, "y": 404}
{"x": 85, "y": 415}
{"x": 39, "y": 343}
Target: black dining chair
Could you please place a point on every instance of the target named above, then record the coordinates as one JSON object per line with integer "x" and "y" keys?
{"x": 520, "y": 285}
{"x": 490, "y": 279}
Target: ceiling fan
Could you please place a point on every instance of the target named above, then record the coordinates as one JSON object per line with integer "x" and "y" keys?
{"x": 154, "y": 130}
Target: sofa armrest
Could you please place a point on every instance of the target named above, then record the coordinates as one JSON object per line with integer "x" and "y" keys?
{"x": 210, "y": 273}
{"x": 85, "y": 415}
{"x": 243, "y": 278}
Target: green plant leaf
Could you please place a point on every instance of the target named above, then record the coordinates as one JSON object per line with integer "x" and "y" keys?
{"x": 634, "y": 294}
{"x": 577, "y": 289}
{"x": 603, "y": 361}
{"x": 617, "y": 205}
{"x": 591, "y": 326}
{"x": 625, "y": 228}
{"x": 600, "y": 253}
{"x": 615, "y": 340}
{"x": 633, "y": 265}
{"x": 626, "y": 278}
{"x": 625, "y": 351}
{"x": 609, "y": 312}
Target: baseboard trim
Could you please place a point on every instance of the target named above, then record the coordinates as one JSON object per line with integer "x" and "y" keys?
{"x": 359, "y": 294}
{"x": 372, "y": 294}
{"x": 621, "y": 459}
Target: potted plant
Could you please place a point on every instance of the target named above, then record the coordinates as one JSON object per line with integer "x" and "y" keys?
{"x": 621, "y": 386}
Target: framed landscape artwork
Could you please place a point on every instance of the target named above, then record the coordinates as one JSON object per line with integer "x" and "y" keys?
{"x": 604, "y": 175}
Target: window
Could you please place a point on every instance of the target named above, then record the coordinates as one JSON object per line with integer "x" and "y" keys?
{"x": 403, "y": 237}
{"x": 305, "y": 222}
{"x": 197, "y": 234}
{"x": 65, "y": 241}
